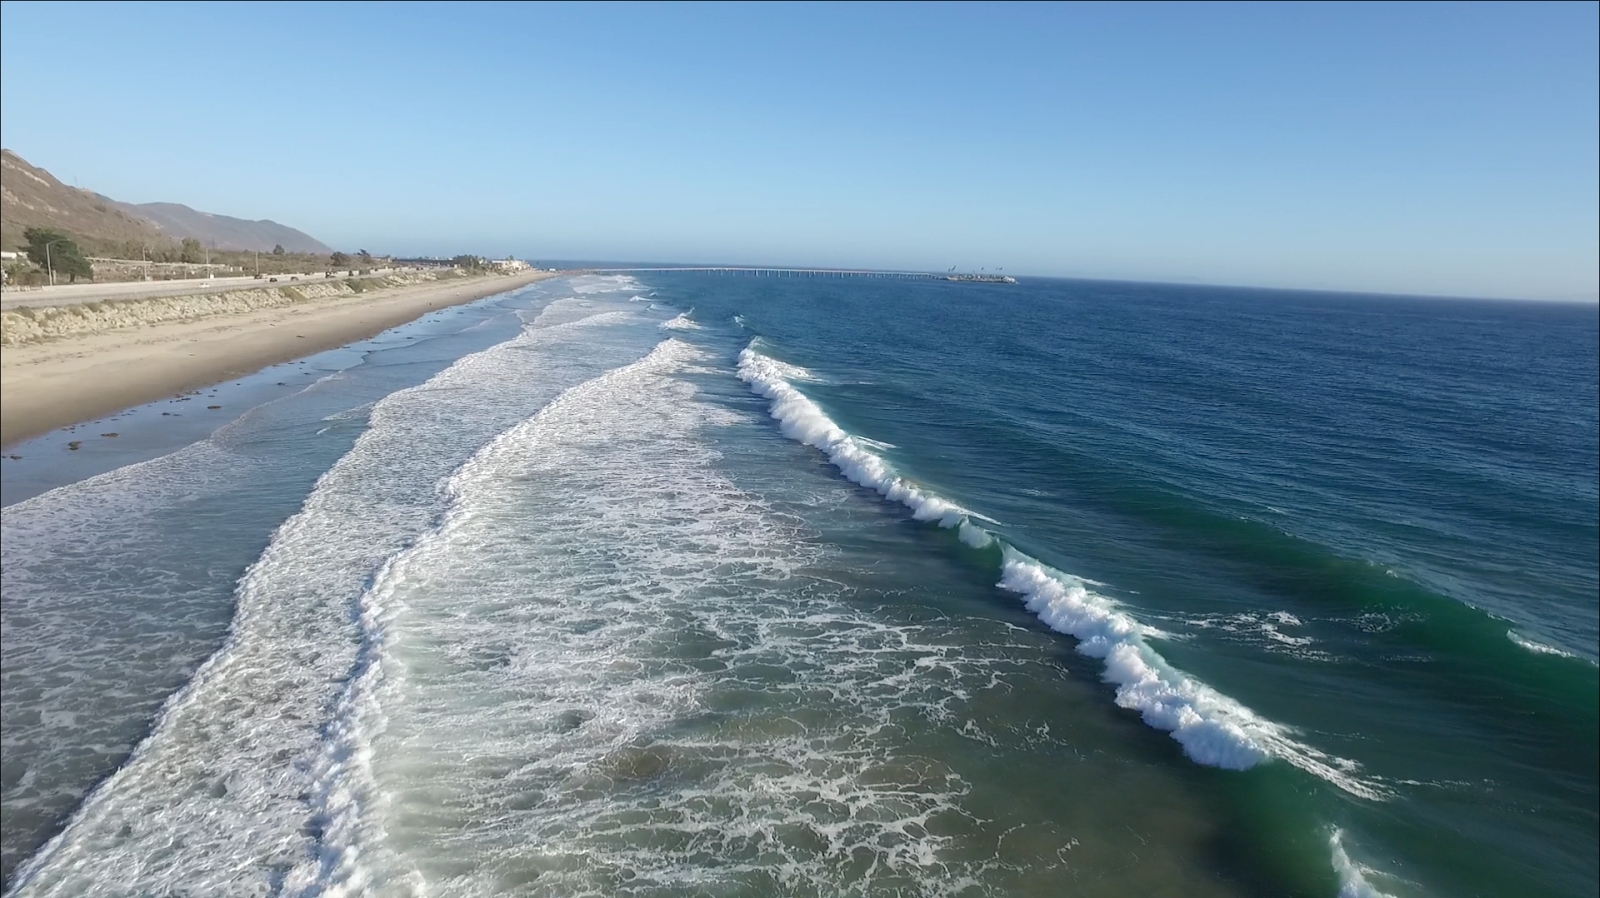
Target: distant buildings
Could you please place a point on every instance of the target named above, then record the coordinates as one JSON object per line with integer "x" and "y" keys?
{"x": 464, "y": 261}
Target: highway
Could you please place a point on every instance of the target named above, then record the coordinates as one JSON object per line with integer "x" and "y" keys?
{"x": 70, "y": 294}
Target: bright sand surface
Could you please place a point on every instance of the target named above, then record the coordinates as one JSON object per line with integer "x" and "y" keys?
{"x": 70, "y": 380}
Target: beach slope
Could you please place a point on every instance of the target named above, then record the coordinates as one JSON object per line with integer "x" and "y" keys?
{"x": 71, "y": 378}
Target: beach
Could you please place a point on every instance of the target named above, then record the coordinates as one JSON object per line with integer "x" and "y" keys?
{"x": 57, "y": 382}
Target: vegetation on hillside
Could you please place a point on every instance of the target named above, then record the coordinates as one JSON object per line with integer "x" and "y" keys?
{"x": 104, "y": 227}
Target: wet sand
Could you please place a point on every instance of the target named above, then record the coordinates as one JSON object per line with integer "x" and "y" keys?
{"x": 54, "y": 384}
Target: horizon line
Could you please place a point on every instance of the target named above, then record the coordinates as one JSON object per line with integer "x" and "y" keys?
{"x": 1592, "y": 297}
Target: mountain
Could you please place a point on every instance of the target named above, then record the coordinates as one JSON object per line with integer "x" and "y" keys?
{"x": 225, "y": 231}
{"x": 32, "y": 197}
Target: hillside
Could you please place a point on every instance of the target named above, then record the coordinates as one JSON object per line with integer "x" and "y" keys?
{"x": 225, "y": 231}
{"x": 32, "y": 197}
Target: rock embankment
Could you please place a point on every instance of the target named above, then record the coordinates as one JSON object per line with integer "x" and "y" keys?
{"x": 39, "y": 324}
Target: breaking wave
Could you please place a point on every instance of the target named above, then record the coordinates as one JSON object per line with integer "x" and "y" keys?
{"x": 1214, "y": 729}
{"x": 223, "y": 774}
{"x": 538, "y": 681}
{"x": 1539, "y": 648}
{"x": 680, "y": 323}
{"x": 1352, "y": 876}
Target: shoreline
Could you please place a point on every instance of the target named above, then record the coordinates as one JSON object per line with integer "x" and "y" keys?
{"x": 72, "y": 380}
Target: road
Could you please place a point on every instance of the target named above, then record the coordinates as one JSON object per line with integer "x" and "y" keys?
{"x": 70, "y": 294}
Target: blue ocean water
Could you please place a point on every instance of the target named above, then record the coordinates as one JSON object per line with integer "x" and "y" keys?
{"x": 690, "y": 584}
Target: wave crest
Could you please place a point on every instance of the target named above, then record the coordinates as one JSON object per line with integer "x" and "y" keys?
{"x": 1539, "y": 648}
{"x": 1213, "y": 728}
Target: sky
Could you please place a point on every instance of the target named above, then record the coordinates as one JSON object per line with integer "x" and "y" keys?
{"x": 1430, "y": 148}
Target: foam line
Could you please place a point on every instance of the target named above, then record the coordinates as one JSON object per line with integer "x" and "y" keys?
{"x": 213, "y": 801}
{"x": 345, "y": 784}
{"x": 1213, "y": 728}
{"x": 801, "y": 420}
{"x": 1539, "y": 648}
{"x": 681, "y": 323}
{"x": 527, "y": 714}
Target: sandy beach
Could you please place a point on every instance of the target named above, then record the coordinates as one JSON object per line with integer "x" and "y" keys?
{"x": 55, "y": 383}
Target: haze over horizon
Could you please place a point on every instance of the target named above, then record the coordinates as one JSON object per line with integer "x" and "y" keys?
{"x": 1407, "y": 148}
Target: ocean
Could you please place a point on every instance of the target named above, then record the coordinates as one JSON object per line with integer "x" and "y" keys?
{"x": 682, "y": 584}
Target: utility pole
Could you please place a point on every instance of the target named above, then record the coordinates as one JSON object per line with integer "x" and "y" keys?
{"x": 49, "y": 266}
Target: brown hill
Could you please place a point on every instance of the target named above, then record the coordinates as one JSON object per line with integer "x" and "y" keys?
{"x": 225, "y": 231}
{"x": 32, "y": 197}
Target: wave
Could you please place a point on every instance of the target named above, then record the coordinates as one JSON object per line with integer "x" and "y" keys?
{"x": 345, "y": 786}
{"x": 533, "y": 682}
{"x": 79, "y": 698}
{"x": 1214, "y": 729}
{"x": 602, "y": 283}
{"x": 1540, "y": 648}
{"x": 875, "y": 444}
{"x": 223, "y": 773}
{"x": 800, "y": 419}
{"x": 1352, "y": 876}
{"x": 681, "y": 323}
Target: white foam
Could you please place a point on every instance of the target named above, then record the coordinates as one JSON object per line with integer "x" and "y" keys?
{"x": 346, "y": 791}
{"x": 680, "y": 323}
{"x": 974, "y": 536}
{"x": 535, "y": 706}
{"x": 1539, "y": 648}
{"x": 1353, "y": 881}
{"x": 112, "y": 549}
{"x": 1249, "y": 624}
{"x": 802, "y": 420}
{"x": 1212, "y": 728}
{"x": 213, "y": 801}
{"x": 596, "y": 283}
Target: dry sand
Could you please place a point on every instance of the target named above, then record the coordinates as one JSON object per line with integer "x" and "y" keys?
{"x": 80, "y": 378}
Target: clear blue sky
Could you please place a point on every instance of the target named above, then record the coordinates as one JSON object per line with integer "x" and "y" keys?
{"x": 1428, "y": 148}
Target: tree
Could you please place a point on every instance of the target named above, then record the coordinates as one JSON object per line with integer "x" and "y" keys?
{"x": 56, "y": 251}
{"x": 366, "y": 257}
{"x": 277, "y": 250}
{"x": 339, "y": 260}
{"x": 191, "y": 251}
